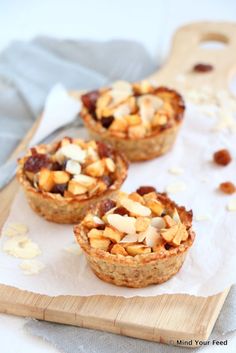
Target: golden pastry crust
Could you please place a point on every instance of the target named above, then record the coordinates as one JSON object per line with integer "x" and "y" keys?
{"x": 57, "y": 208}
{"x": 155, "y": 141}
{"x": 143, "y": 269}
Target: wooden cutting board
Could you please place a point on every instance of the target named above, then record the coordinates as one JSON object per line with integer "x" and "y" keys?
{"x": 165, "y": 318}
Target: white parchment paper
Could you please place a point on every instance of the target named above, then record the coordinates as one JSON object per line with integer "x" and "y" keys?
{"x": 210, "y": 265}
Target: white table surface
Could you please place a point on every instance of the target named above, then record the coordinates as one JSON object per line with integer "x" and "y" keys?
{"x": 151, "y": 22}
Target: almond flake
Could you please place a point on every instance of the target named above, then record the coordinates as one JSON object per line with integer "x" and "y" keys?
{"x": 120, "y": 91}
{"x": 31, "y": 267}
{"x": 152, "y": 237}
{"x": 176, "y": 170}
{"x": 84, "y": 180}
{"x": 21, "y": 246}
{"x": 121, "y": 110}
{"x": 71, "y": 151}
{"x": 158, "y": 222}
{"x": 123, "y": 224}
{"x": 176, "y": 187}
{"x": 129, "y": 238}
{"x": 232, "y": 205}
{"x": 148, "y": 105}
{"x": 176, "y": 216}
{"x": 135, "y": 207}
{"x": 73, "y": 167}
{"x": 14, "y": 229}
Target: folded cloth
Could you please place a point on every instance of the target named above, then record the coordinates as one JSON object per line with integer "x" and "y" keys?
{"x": 27, "y": 73}
{"x": 28, "y": 70}
{"x": 79, "y": 340}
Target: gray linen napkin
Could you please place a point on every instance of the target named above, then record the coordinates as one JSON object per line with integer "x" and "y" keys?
{"x": 27, "y": 73}
{"x": 28, "y": 70}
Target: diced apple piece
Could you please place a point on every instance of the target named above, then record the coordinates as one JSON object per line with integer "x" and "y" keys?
{"x": 120, "y": 125}
{"x": 60, "y": 177}
{"x": 142, "y": 224}
{"x": 100, "y": 243}
{"x": 96, "y": 169}
{"x": 92, "y": 221}
{"x": 169, "y": 234}
{"x": 85, "y": 180}
{"x": 169, "y": 221}
{"x": 46, "y": 181}
{"x": 113, "y": 235}
{"x": 136, "y": 197}
{"x": 156, "y": 206}
{"x": 181, "y": 235}
{"x": 138, "y": 249}
{"x": 75, "y": 188}
{"x": 133, "y": 119}
{"x": 95, "y": 233}
{"x": 117, "y": 249}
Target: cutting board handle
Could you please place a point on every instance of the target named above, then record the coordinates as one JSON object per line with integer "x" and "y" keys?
{"x": 188, "y": 50}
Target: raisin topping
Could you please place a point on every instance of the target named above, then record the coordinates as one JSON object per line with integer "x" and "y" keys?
{"x": 202, "y": 68}
{"x": 89, "y": 100}
{"x": 36, "y": 162}
{"x": 222, "y": 157}
{"x": 56, "y": 166}
{"x": 107, "y": 180}
{"x": 227, "y": 187}
{"x": 142, "y": 190}
{"x": 167, "y": 246}
{"x": 106, "y": 205}
{"x": 33, "y": 151}
{"x": 104, "y": 151}
{"x": 107, "y": 121}
{"x": 59, "y": 188}
{"x": 121, "y": 211}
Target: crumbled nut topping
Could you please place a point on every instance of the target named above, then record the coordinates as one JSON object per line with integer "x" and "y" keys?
{"x": 71, "y": 167}
{"x": 134, "y": 224}
{"x": 134, "y": 110}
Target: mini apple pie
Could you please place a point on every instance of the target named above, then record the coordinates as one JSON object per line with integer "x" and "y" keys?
{"x": 62, "y": 179}
{"x": 138, "y": 119}
{"x": 136, "y": 239}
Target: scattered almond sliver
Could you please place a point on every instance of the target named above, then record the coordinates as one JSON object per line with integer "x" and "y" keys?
{"x": 21, "y": 246}
{"x": 31, "y": 267}
{"x": 176, "y": 187}
{"x": 14, "y": 229}
{"x": 176, "y": 170}
{"x": 232, "y": 205}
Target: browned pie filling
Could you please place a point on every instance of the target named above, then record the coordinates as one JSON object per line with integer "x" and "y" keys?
{"x": 134, "y": 110}
{"x": 71, "y": 167}
{"x": 142, "y": 222}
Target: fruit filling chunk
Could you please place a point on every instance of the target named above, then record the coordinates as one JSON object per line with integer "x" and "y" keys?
{"x": 133, "y": 110}
{"x": 71, "y": 167}
{"x": 139, "y": 223}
